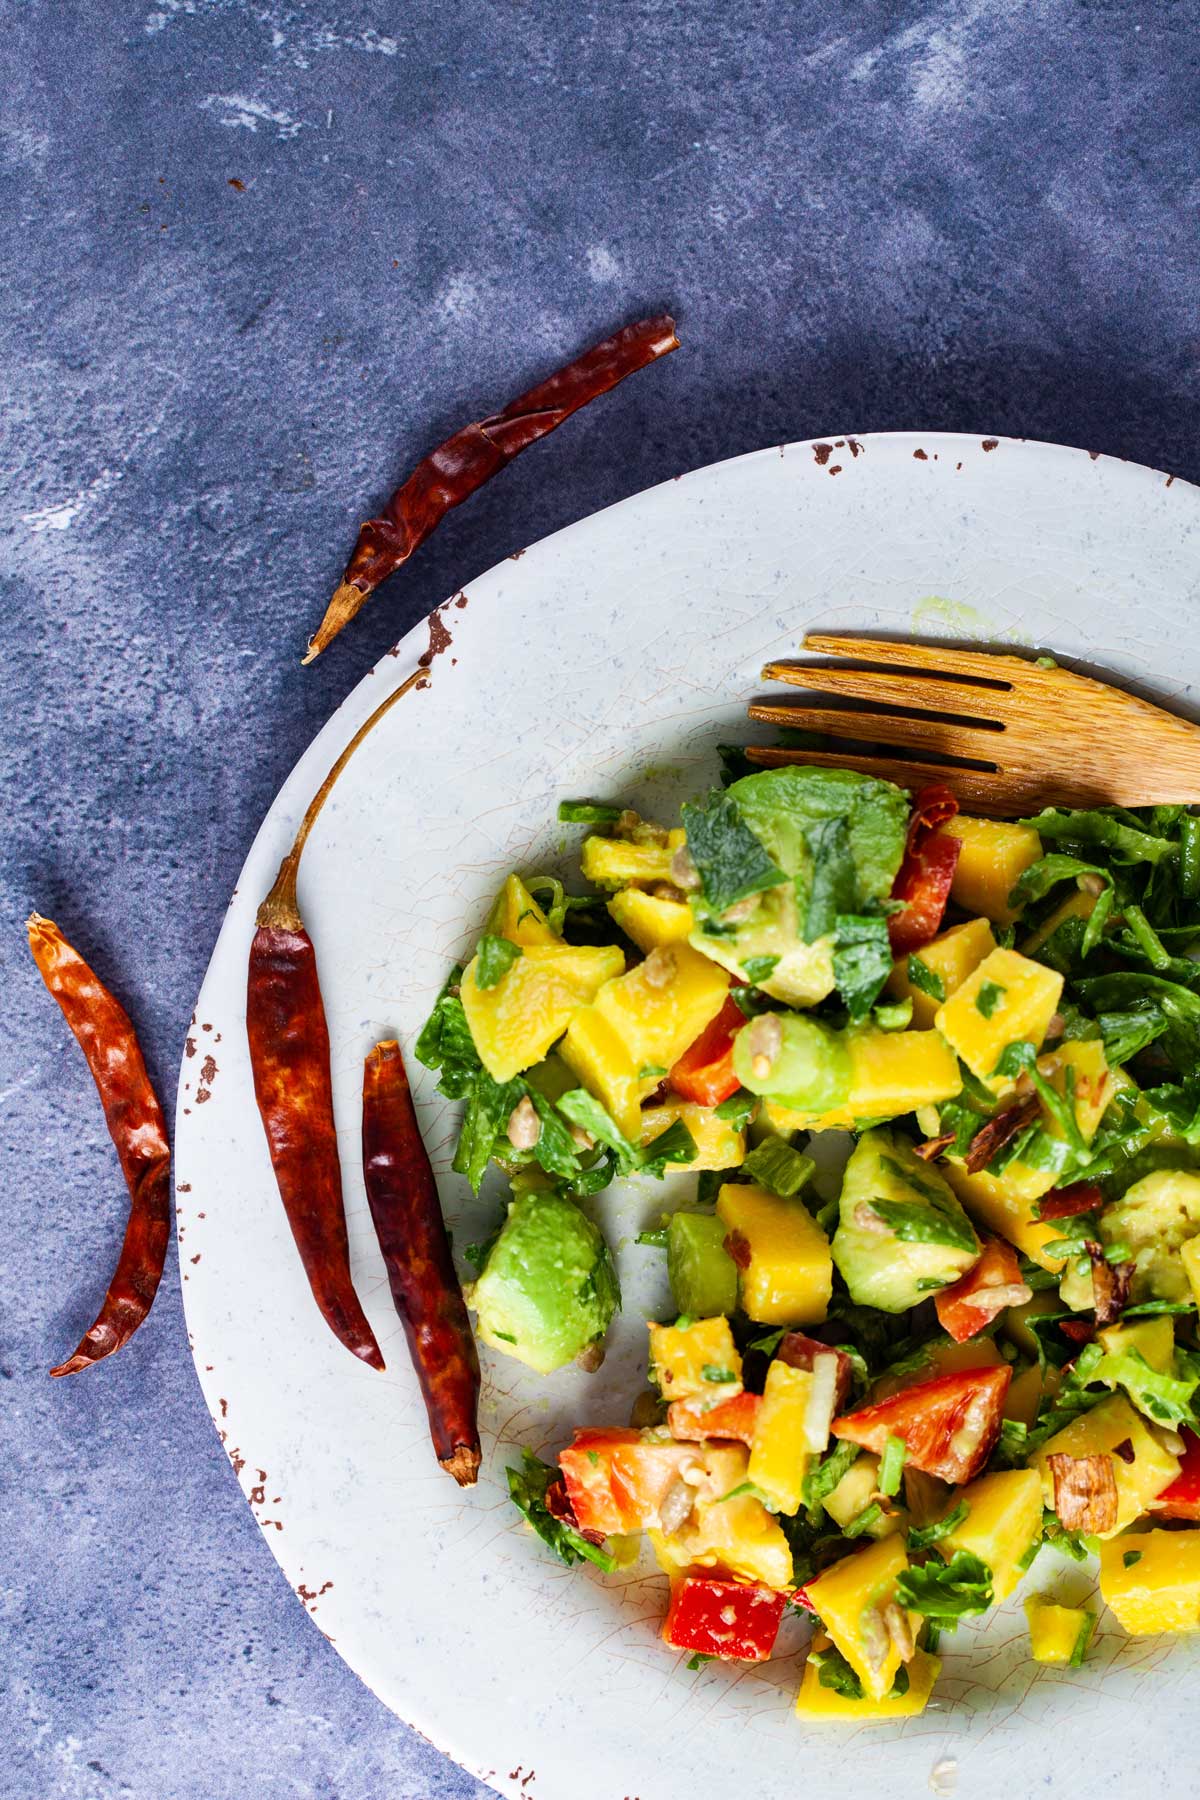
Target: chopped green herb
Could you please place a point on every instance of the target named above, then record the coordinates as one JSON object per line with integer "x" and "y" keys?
{"x": 758, "y": 969}
{"x": 507, "y": 1336}
{"x": 730, "y": 861}
{"x": 927, "y": 980}
{"x": 527, "y": 1488}
{"x": 1131, "y": 1557}
{"x": 946, "y": 1592}
{"x": 698, "y": 1660}
{"x": 862, "y": 961}
{"x": 869, "y": 1516}
{"x": 712, "y": 1372}
{"x": 653, "y": 1240}
{"x": 923, "y": 1537}
{"x": 495, "y": 957}
{"x": 586, "y": 812}
{"x": 593, "y": 1457}
{"x": 891, "y": 1466}
{"x": 649, "y": 1070}
{"x": 989, "y": 997}
{"x": 775, "y": 1166}
{"x": 835, "y": 1673}
{"x": 736, "y": 1111}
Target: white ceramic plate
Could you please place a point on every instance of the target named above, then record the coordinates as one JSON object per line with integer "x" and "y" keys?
{"x": 608, "y": 661}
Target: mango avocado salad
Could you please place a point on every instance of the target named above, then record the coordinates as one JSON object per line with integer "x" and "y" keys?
{"x": 934, "y": 1288}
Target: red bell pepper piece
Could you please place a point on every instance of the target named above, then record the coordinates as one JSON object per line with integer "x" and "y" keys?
{"x": 949, "y": 1425}
{"x": 1182, "y": 1499}
{"x": 925, "y": 874}
{"x": 717, "y": 1616}
{"x": 735, "y": 1418}
{"x": 704, "y": 1073}
{"x": 799, "y": 1351}
{"x": 617, "y": 1479}
{"x": 994, "y": 1283}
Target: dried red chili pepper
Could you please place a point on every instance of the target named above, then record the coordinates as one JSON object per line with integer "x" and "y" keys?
{"x": 137, "y": 1127}
{"x": 289, "y": 1059}
{"x": 925, "y": 875}
{"x": 991, "y": 1138}
{"x": 451, "y": 473}
{"x": 933, "y": 1148}
{"x": 1069, "y": 1202}
{"x": 408, "y": 1219}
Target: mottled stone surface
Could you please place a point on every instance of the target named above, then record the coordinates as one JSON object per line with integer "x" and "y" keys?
{"x": 256, "y": 257}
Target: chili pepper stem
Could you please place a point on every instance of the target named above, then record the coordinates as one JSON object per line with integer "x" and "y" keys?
{"x": 280, "y": 908}
{"x": 348, "y": 599}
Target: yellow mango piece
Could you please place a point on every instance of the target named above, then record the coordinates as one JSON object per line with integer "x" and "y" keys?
{"x": 992, "y": 857}
{"x": 718, "y": 1145}
{"x": 516, "y": 915}
{"x": 1058, "y": 1634}
{"x": 817, "y": 1702}
{"x": 952, "y": 956}
{"x": 1028, "y": 1000}
{"x": 784, "y": 1262}
{"x": 615, "y": 862}
{"x": 649, "y": 921}
{"x": 849, "y": 1598}
{"x": 1102, "y": 1429}
{"x": 779, "y": 1454}
{"x": 1190, "y": 1255}
{"x": 891, "y": 1072}
{"x": 1024, "y": 1396}
{"x": 1153, "y": 1338}
{"x": 1003, "y": 1204}
{"x": 739, "y": 1534}
{"x": 663, "y": 1005}
{"x": 854, "y": 1493}
{"x": 1004, "y": 1517}
{"x": 696, "y": 1360}
{"x": 1151, "y": 1579}
{"x": 1079, "y": 906}
{"x": 602, "y": 1064}
{"x": 514, "y": 1023}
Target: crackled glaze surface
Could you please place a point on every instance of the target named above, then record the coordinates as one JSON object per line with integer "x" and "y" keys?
{"x": 641, "y": 633}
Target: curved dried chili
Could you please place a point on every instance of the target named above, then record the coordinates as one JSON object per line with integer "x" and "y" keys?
{"x": 451, "y": 473}
{"x": 137, "y": 1127}
{"x": 289, "y": 1058}
{"x": 408, "y": 1220}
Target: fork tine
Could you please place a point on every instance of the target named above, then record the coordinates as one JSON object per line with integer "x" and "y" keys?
{"x": 916, "y": 692}
{"x": 978, "y": 665}
{"x": 974, "y": 786}
{"x": 923, "y": 733}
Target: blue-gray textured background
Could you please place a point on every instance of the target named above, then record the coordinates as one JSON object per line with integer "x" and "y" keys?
{"x": 980, "y": 214}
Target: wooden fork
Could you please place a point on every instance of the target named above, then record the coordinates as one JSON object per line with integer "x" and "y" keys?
{"x": 1015, "y": 734}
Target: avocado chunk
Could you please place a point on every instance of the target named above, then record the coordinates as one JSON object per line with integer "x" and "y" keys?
{"x": 703, "y": 1275}
{"x": 781, "y": 855}
{"x": 902, "y": 1234}
{"x": 810, "y": 1067}
{"x": 1155, "y": 1217}
{"x": 548, "y": 1288}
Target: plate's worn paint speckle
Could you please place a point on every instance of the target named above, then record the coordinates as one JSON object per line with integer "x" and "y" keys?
{"x": 634, "y": 693}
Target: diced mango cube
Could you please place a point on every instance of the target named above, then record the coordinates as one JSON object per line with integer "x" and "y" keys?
{"x": 617, "y": 863}
{"x": 594, "y": 1052}
{"x": 1111, "y": 1423}
{"x": 662, "y": 1006}
{"x": 514, "y": 1023}
{"x": 951, "y": 957}
{"x": 1189, "y": 1252}
{"x": 1151, "y": 1579}
{"x": 1080, "y": 905}
{"x": 850, "y": 1597}
{"x": 978, "y": 1021}
{"x": 718, "y": 1144}
{"x": 1154, "y": 1339}
{"x": 1004, "y": 1516}
{"x": 817, "y": 1702}
{"x": 516, "y": 915}
{"x": 992, "y": 857}
{"x": 737, "y": 1534}
{"x": 649, "y": 921}
{"x": 696, "y": 1359}
{"x": 1058, "y": 1634}
{"x": 891, "y": 1072}
{"x": 782, "y": 1254}
{"x": 779, "y": 1454}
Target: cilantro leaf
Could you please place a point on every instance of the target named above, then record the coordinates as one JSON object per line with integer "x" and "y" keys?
{"x": 527, "y": 1488}
{"x": 446, "y": 1043}
{"x": 989, "y": 998}
{"x": 1097, "y": 825}
{"x": 911, "y": 1223}
{"x": 946, "y": 1592}
{"x": 862, "y": 961}
{"x": 730, "y": 861}
{"x": 923, "y": 1537}
{"x": 758, "y": 969}
{"x": 586, "y": 812}
{"x": 834, "y": 889}
{"x": 736, "y": 1111}
{"x": 927, "y": 980}
{"x": 495, "y": 957}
